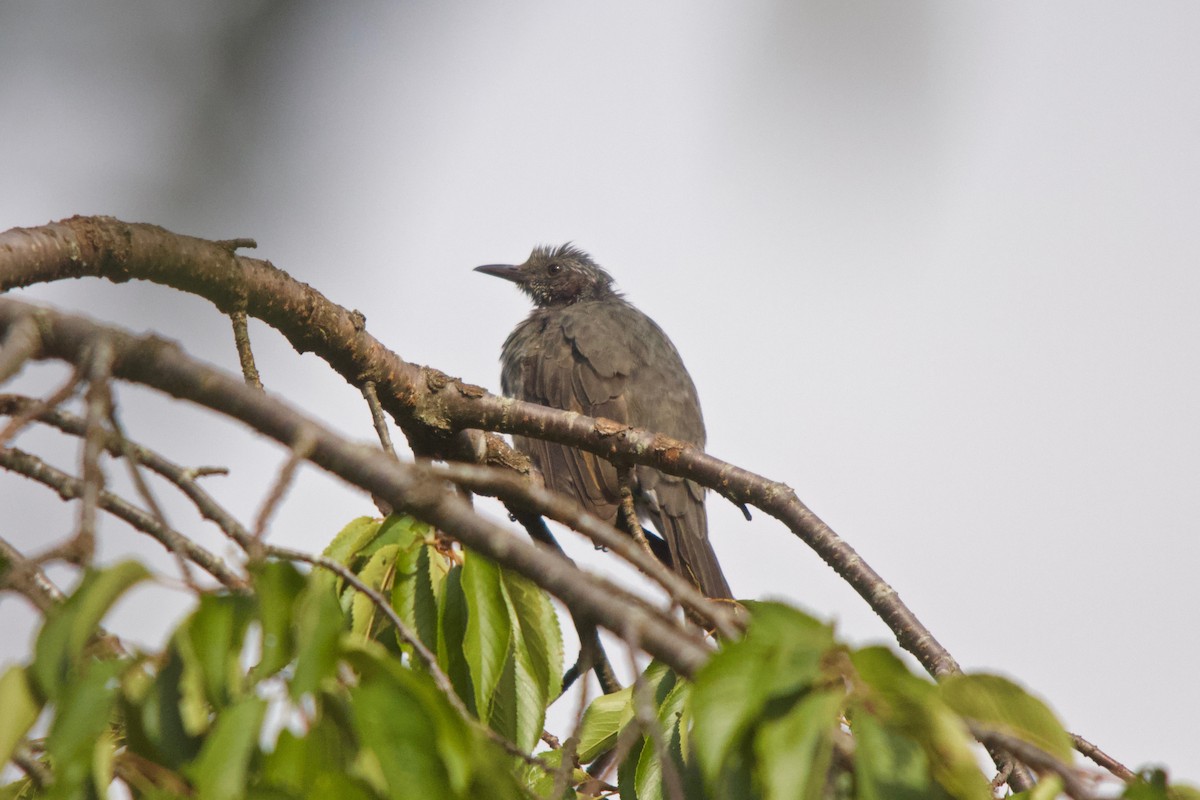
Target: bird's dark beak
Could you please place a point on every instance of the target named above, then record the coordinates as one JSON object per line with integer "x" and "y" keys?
{"x": 507, "y": 271}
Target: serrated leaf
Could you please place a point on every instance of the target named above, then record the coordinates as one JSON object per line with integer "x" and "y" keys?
{"x": 538, "y": 635}
{"x": 220, "y": 771}
{"x": 70, "y": 626}
{"x": 451, "y": 633}
{"x": 780, "y": 655}
{"x": 793, "y": 751}
{"x": 357, "y": 534}
{"x": 420, "y": 574}
{"x": 21, "y": 710}
{"x": 603, "y": 721}
{"x": 531, "y": 675}
{"x": 489, "y": 630}
{"x": 648, "y": 778}
{"x": 999, "y": 703}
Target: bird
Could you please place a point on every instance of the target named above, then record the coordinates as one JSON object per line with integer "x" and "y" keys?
{"x": 585, "y": 348}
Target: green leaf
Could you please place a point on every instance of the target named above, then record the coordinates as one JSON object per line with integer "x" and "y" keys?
{"x": 794, "y": 750}
{"x": 999, "y": 703}
{"x": 887, "y": 765}
{"x": 603, "y": 721}
{"x": 531, "y": 677}
{"x": 914, "y": 706}
{"x": 648, "y": 778}
{"x": 609, "y": 714}
{"x": 489, "y": 630}
{"x": 357, "y": 534}
{"x": 779, "y": 656}
{"x": 377, "y": 574}
{"x": 538, "y": 635}
{"x": 70, "y": 627}
{"x": 155, "y": 713}
{"x": 420, "y": 575}
{"x": 21, "y": 710}
{"x": 540, "y": 780}
{"x": 319, "y": 626}
{"x": 220, "y": 771}
{"x": 321, "y": 757}
{"x": 83, "y": 714}
{"x": 210, "y": 642}
{"x": 451, "y": 641}
{"x": 276, "y": 585}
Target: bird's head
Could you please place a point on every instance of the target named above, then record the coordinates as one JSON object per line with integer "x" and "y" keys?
{"x": 556, "y": 276}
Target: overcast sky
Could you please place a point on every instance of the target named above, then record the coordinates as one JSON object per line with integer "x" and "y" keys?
{"x": 934, "y": 265}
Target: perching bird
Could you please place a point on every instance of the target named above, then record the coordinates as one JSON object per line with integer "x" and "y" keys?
{"x": 585, "y": 348}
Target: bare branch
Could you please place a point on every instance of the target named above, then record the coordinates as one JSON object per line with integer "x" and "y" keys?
{"x": 185, "y": 479}
{"x": 70, "y": 488}
{"x": 1102, "y": 758}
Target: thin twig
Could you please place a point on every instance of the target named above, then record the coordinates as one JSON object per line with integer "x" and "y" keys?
{"x": 41, "y": 777}
{"x": 143, "y": 489}
{"x": 629, "y": 515}
{"x": 570, "y": 748}
{"x": 241, "y": 339}
{"x": 1102, "y": 758}
{"x": 71, "y": 488}
{"x": 378, "y": 418}
{"x": 301, "y": 449}
{"x": 51, "y": 401}
{"x": 99, "y": 406}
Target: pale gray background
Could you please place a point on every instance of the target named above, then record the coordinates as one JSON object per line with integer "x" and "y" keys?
{"x": 932, "y": 264}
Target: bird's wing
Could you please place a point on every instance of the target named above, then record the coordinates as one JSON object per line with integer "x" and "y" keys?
{"x": 661, "y": 397}
{"x": 544, "y": 366}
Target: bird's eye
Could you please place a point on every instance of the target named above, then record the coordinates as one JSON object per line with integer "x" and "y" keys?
{"x": 554, "y": 269}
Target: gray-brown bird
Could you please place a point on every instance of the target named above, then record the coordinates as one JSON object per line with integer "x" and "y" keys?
{"x": 585, "y": 348}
